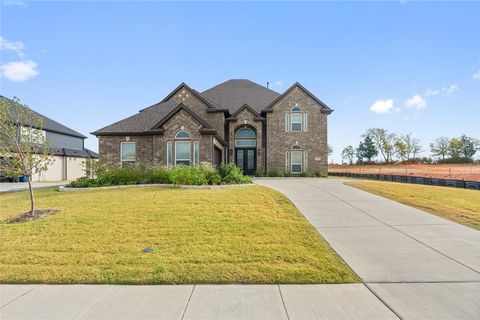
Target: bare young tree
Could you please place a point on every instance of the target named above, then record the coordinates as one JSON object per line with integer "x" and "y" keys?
{"x": 384, "y": 142}
{"x": 23, "y": 147}
{"x": 348, "y": 154}
{"x": 411, "y": 146}
{"x": 440, "y": 147}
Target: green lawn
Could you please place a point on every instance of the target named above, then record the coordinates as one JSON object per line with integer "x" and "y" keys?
{"x": 459, "y": 205}
{"x": 239, "y": 235}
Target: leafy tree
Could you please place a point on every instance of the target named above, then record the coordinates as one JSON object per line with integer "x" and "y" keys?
{"x": 401, "y": 149}
{"x": 470, "y": 146}
{"x": 384, "y": 142}
{"x": 440, "y": 147}
{"x": 455, "y": 147}
{"x": 407, "y": 147}
{"x": 367, "y": 149}
{"x": 348, "y": 154}
{"x": 23, "y": 146}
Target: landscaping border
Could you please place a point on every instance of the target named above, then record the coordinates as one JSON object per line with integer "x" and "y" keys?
{"x": 220, "y": 186}
{"x": 472, "y": 185}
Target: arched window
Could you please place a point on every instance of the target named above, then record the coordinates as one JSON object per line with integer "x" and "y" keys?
{"x": 245, "y": 137}
{"x": 296, "y": 120}
{"x": 182, "y": 135}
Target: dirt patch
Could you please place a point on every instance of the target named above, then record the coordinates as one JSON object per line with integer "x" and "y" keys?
{"x": 27, "y": 216}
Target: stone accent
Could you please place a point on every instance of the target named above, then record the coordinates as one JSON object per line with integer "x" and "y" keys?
{"x": 314, "y": 141}
{"x": 245, "y": 118}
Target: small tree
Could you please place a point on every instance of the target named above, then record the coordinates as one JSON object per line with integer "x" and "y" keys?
{"x": 348, "y": 153}
{"x": 469, "y": 147}
{"x": 367, "y": 150}
{"x": 455, "y": 147}
{"x": 23, "y": 146}
{"x": 401, "y": 149}
{"x": 440, "y": 147}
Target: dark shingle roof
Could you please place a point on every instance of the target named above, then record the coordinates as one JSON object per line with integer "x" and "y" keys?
{"x": 235, "y": 93}
{"x": 142, "y": 121}
{"x": 51, "y": 125}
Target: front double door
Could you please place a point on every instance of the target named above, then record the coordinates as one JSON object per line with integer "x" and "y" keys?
{"x": 246, "y": 159}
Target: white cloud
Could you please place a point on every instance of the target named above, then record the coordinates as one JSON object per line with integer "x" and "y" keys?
{"x": 383, "y": 106}
{"x": 416, "y": 102}
{"x": 16, "y": 47}
{"x": 476, "y": 75}
{"x": 450, "y": 89}
{"x": 19, "y": 71}
{"x": 431, "y": 92}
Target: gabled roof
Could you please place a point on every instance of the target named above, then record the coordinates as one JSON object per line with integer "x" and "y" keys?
{"x": 49, "y": 124}
{"x": 247, "y": 107}
{"x": 197, "y": 94}
{"x": 235, "y": 93}
{"x": 183, "y": 107}
{"x": 325, "y": 108}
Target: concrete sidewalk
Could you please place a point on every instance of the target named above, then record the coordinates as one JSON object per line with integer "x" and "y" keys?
{"x": 420, "y": 265}
{"x": 415, "y": 266}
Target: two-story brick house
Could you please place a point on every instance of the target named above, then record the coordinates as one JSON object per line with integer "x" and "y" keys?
{"x": 237, "y": 121}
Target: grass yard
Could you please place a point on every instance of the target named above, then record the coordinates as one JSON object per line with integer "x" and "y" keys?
{"x": 239, "y": 235}
{"x": 459, "y": 205}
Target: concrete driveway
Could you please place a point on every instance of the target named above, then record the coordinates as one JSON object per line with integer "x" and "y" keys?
{"x": 421, "y": 266}
{"x": 415, "y": 266}
{"x": 21, "y": 186}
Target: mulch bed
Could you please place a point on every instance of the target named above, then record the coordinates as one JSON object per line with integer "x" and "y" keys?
{"x": 27, "y": 216}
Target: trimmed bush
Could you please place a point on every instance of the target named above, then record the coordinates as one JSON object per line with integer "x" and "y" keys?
{"x": 84, "y": 182}
{"x": 231, "y": 174}
{"x": 158, "y": 175}
{"x": 190, "y": 176}
{"x": 212, "y": 175}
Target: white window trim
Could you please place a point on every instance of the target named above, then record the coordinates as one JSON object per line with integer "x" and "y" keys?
{"x": 287, "y": 122}
{"x": 190, "y": 152}
{"x": 196, "y": 153}
{"x": 287, "y": 161}
{"x": 121, "y": 151}
{"x": 291, "y": 121}
{"x": 305, "y": 122}
{"x": 301, "y": 162}
{"x": 305, "y": 161}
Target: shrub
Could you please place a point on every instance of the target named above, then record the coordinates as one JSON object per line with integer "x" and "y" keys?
{"x": 231, "y": 174}
{"x": 122, "y": 176}
{"x": 261, "y": 173}
{"x": 304, "y": 174}
{"x": 212, "y": 175}
{"x": 84, "y": 182}
{"x": 274, "y": 173}
{"x": 158, "y": 175}
{"x": 320, "y": 174}
{"x": 188, "y": 176}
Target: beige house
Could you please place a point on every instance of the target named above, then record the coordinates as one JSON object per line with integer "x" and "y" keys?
{"x": 69, "y": 152}
{"x": 237, "y": 121}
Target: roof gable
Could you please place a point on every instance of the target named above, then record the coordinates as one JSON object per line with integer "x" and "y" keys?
{"x": 197, "y": 94}
{"x": 324, "y": 107}
{"x": 177, "y": 109}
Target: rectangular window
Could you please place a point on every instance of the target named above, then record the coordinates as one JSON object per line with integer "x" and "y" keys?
{"x": 127, "y": 153}
{"x": 32, "y": 135}
{"x": 305, "y": 161}
{"x": 196, "y": 153}
{"x": 287, "y": 122}
{"x": 305, "y": 121}
{"x": 287, "y": 164}
{"x": 182, "y": 153}
{"x": 296, "y": 161}
{"x": 169, "y": 154}
{"x": 296, "y": 120}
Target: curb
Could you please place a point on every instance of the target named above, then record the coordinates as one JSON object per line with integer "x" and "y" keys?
{"x": 224, "y": 186}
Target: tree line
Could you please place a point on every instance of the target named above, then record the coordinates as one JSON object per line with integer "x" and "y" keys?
{"x": 404, "y": 148}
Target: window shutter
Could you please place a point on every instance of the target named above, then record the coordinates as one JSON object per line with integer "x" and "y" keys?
{"x": 287, "y": 162}
{"x": 287, "y": 122}
{"x": 305, "y": 161}
{"x": 305, "y": 121}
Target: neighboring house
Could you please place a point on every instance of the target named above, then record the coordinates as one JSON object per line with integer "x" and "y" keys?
{"x": 237, "y": 121}
{"x": 68, "y": 150}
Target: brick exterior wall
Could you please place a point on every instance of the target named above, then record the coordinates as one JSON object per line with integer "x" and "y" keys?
{"x": 272, "y": 139}
{"x": 314, "y": 141}
{"x": 245, "y": 118}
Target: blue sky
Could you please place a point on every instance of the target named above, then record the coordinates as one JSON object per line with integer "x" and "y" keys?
{"x": 405, "y": 66}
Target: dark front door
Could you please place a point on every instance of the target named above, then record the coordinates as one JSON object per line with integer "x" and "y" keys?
{"x": 246, "y": 160}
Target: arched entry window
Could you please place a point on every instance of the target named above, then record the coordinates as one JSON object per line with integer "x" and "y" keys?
{"x": 245, "y": 138}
